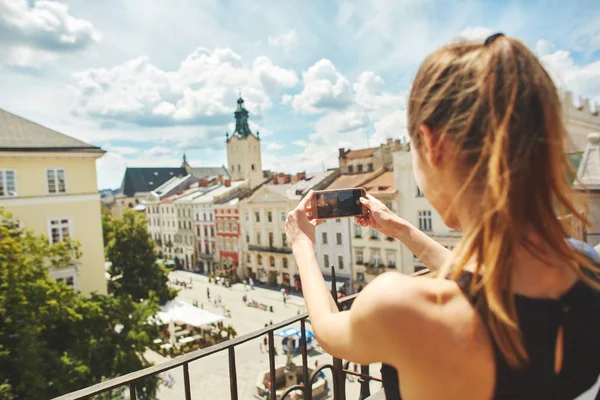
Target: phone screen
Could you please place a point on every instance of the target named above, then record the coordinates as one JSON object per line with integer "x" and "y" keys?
{"x": 339, "y": 203}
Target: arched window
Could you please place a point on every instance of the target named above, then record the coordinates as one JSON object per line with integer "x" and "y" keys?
{"x": 252, "y": 167}
{"x": 232, "y": 168}
{"x": 259, "y": 259}
{"x": 239, "y": 168}
{"x": 285, "y": 262}
{"x": 272, "y": 261}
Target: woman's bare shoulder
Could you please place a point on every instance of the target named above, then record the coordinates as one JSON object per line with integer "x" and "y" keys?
{"x": 428, "y": 325}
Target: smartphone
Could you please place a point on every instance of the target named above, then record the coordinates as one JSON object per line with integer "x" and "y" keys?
{"x": 337, "y": 203}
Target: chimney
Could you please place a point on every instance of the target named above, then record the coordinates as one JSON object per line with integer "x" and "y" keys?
{"x": 389, "y": 141}
{"x": 283, "y": 178}
{"x": 342, "y": 152}
{"x": 275, "y": 179}
{"x": 300, "y": 176}
{"x": 220, "y": 178}
{"x": 227, "y": 182}
{"x": 203, "y": 182}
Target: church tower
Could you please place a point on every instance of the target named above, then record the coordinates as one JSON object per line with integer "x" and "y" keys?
{"x": 243, "y": 149}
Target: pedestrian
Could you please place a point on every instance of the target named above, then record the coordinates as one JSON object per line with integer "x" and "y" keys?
{"x": 266, "y": 343}
{"x": 208, "y": 293}
{"x": 220, "y": 299}
{"x": 271, "y": 322}
{"x": 284, "y": 300}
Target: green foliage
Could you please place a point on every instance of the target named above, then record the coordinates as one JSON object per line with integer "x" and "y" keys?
{"x": 134, "y": 269}
{"x": 54, "y": 340}
{"x": 107, "y": 225}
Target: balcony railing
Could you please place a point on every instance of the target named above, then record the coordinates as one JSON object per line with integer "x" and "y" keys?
{"x": 206, "y": 256}
{"x": 270, "y": 249}
{"x": 336, "y": 367}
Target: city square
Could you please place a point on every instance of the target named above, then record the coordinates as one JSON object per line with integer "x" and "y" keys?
{"x": 209, "y": 377}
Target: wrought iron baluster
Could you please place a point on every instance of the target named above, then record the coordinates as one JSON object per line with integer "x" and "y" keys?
{"x": 186, "y": 382}
{"x": 339, "y": 377}
{"x": 232, "y": 374}
{"x": 307, "y": 384}
{"x": 272, "y": 366}
{"x": 132, "y": 395}
{"x": 365, "y": 389}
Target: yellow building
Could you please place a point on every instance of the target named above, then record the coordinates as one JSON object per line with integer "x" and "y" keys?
{"x": 48, "y": 182}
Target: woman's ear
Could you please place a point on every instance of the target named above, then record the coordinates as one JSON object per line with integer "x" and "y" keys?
{"x": 431, "y": 147}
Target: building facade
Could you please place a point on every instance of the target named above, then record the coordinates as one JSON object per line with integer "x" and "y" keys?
{"x": 268, "y": 257}
{"x": 48, "y": 182}
{"x": 580, "y": 120}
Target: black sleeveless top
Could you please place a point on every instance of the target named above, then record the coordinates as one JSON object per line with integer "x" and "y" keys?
{"x": 578, "y": 311}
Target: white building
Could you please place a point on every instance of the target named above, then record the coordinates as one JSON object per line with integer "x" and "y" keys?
{"x": 268, "y": 258}
{"x": 581, "y": 120}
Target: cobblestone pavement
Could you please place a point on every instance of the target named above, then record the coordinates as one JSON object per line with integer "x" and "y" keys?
{"x": 209, "y": 376}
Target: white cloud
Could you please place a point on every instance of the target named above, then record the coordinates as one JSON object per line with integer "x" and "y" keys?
{"x": 286, "y": 40}
{"x": 583, "y": 80}
{"x": 124, "y": 150}
{"x": 544, "y": 47}
{"x": 274, "y": 146}
{"x": 324, "y": 89}
{"x": 202, "y": 91}
{"x": 30, "y": 37}
{"x": 300, "y": 143}
{"x": 474, "y": 33}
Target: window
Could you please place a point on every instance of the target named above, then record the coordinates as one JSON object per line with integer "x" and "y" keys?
{"x": 374, "y": 233}
{"x": 283, "y": 240}
{"x": 60, "y": 229}
{"x": 56, "y": 180}
{"x": 198, "y": 231}
{"x": 212, "y": 231}
{"x": 259, "y": 259}
{"x": 247, "y": 238}
{"x": 271, "y": 240}
{"x": 285, "y": 262}
{"x": 338, "y": 238}
{"x": 419, "y": 193}
{"x": 269, "y": 216}
{"x": 247, "y": 217}
{"x": 340, "y": 262}
{"x": 272, "y": 261}
{"x": 69, "y": 280}
{"x": 205, "y": 232}
{"x": 350, "y": 169}
{"x": 338, "y": 220}
{"x": 179, "y": 224}
{"x": 357, "y": 230}
{"x": 249, "y": 258}
{"x": 234, "y": 227}
{"x": 326, "y": 261}
{"x": 204, "y": 216}
{"x": 376, "y": 259}
{"x": 210, "y": 216}
{"x": 359, "y": 257}
{"x": 391, "y": 258}
{"x": 324, "y": 237}
{"x": 252, "y": 167}
{"x": 197, "y": 217}
{"x": 370, "y": 167}
{"x": 425, "y": 220}
{"x": 257, "y": 216}
{"x": 282, "y": 217}
{"x": 360, "y": 168}
{"x": 258, "y": 238}
{"x": 388, "y": 204}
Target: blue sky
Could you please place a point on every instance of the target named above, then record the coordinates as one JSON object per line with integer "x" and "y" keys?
{"x": 148, "y": 80}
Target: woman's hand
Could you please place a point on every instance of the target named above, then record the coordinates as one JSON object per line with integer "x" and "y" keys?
{"x": 299, "y": 226}
{"x": 378, "y": 216}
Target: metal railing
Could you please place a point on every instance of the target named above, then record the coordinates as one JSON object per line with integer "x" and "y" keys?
{"x": 336, "y": 367}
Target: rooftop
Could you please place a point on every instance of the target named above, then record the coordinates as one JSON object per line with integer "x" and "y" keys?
{"x": 382, "y": 184}
{"x": 144, "y": 180}
{"x": 296, "y": 190}
{"x": 354, "y": 180}
{"x": 362, "y": 153}
{"x": 20, "y": 134}
{"x": 209, "y": 197}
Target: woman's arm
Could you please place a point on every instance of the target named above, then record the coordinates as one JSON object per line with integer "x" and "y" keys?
{"x": 430, "y": 252}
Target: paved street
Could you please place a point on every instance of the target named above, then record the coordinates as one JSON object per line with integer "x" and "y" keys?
{"x": 210, "y": 376}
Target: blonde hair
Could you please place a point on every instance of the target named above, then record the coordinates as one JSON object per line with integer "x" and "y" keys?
{"x": 500, "y": 108}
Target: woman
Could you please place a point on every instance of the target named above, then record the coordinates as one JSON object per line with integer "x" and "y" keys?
{"x": 515, "y": 312}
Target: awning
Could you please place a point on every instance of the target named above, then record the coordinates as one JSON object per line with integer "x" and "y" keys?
{"x": 290, "y": 332}
{"x": 168, "y": 263}
{"x": 184, "y": 313}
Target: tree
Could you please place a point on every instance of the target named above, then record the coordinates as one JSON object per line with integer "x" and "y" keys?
{"x": 134, "y": 270}
{"x": 54, "y": 340}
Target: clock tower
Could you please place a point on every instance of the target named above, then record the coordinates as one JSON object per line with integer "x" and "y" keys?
{"x": 243, "y": 149}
